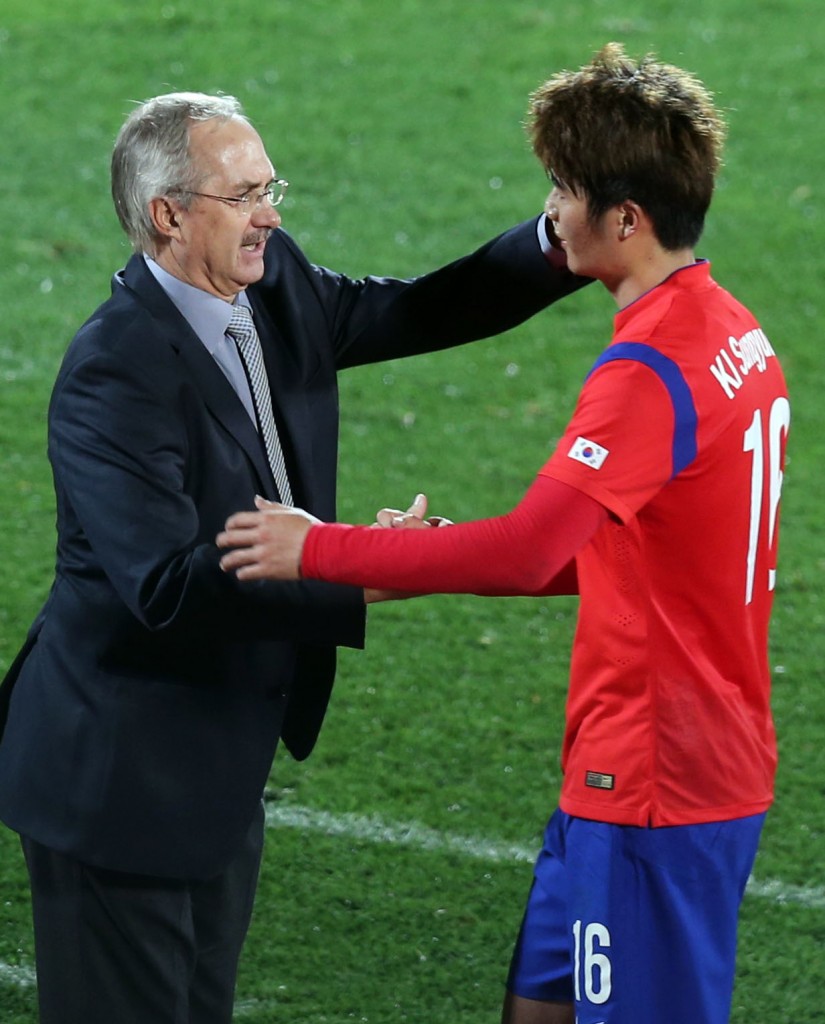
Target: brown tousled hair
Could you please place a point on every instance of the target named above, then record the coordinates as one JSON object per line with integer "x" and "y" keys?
{"x": 646, "y": 131}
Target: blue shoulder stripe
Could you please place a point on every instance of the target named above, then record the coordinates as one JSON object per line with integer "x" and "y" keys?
{"x": 684, "y": 411}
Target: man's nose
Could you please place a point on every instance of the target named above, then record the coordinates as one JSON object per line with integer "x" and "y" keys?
{"x": 266, "y": 216}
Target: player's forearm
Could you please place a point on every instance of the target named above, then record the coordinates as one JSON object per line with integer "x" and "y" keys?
{"x": 529, "y": 551}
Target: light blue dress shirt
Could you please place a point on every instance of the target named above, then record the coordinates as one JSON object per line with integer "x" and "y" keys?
{"x": 209, "y": 316}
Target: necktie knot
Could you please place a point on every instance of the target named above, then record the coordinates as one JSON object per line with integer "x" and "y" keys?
{"x": 241, "y": 327}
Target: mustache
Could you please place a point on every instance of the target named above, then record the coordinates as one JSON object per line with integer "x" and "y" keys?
{"x": 254, "y": 237}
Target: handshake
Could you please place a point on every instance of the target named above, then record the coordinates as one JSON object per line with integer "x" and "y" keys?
{"x": 267, "y": 544}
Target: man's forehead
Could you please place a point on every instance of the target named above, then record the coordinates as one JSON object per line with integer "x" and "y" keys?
{"x": 232, "y": 149}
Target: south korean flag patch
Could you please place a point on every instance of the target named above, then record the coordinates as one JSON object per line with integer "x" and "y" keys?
{"x": 588, "y": 452}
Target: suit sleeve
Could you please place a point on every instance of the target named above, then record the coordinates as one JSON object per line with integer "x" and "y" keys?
{"x": 127, "y": 482}
{"x": 500, "y": 285}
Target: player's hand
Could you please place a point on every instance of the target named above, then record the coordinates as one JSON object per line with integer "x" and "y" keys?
{"x": 415, "y": 518}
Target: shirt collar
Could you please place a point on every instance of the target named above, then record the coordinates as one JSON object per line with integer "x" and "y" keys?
{"x": 206, "y": 314}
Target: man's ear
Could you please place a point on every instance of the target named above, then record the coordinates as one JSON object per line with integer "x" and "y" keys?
{"x": 165, "y": 215}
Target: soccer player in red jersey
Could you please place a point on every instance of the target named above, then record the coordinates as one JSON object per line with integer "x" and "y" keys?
{"x": 660, "y": 507}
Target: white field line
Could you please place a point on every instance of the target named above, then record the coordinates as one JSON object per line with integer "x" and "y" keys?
{"x": 17, "y": 976}
{"x": 372, "y": 829}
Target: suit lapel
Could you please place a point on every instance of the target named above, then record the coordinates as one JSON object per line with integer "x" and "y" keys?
{"x": 218, "y": 394}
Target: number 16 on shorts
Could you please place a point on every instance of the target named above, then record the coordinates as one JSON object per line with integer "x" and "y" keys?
{"x": 591, "y": 964}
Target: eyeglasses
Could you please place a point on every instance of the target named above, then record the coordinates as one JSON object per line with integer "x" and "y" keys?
{"x": 272, "y": 196}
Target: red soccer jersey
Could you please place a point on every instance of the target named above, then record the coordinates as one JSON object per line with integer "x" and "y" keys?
{"x": 680, "y": 432}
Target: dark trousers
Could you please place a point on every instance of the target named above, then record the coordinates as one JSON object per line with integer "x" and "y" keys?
{"x": 131, "y": 949}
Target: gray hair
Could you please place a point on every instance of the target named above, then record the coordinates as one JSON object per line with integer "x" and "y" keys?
{"x": 151, "y": 157}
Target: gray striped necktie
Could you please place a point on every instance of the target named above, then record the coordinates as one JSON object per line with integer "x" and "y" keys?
{"x": 242, "y": 329}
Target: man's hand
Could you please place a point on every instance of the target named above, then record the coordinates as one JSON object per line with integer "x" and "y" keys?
{"x": 267, "y": 544}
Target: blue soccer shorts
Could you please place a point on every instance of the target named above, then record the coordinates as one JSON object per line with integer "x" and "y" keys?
{"x": 635, "y": 925}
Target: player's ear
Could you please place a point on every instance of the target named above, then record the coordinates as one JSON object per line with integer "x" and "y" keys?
{"x": 629, "y": 215}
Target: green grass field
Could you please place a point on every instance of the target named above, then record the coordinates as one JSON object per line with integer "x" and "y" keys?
{"x": 399, "y": 854}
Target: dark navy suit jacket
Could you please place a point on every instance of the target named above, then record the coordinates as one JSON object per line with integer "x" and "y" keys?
{"x": 152, "y": 689}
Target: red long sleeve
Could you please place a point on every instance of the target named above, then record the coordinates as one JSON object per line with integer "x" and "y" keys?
{"x": 528, "y": 551}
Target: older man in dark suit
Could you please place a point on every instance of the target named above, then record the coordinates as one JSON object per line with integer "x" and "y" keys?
{"x": 153, "y": 688}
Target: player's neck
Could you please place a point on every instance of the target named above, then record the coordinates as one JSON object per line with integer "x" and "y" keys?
{"x": 645, "y": 271}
